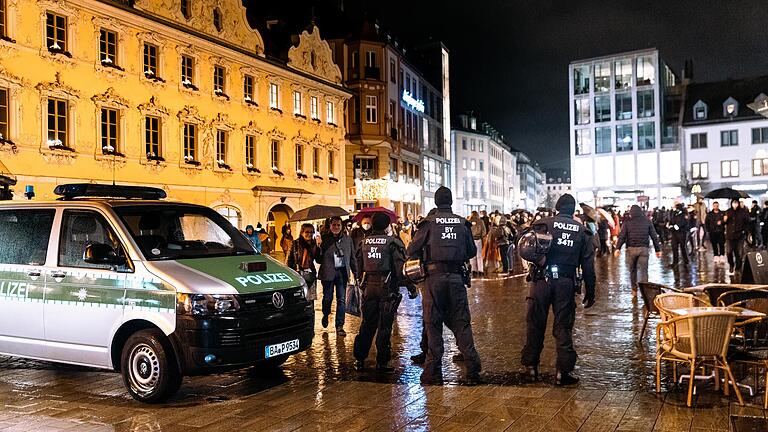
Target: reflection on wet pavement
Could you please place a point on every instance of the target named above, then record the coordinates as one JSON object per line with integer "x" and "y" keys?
{"x": 319, "y": 389}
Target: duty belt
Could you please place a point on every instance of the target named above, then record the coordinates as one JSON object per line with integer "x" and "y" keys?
{"x": 443, "y": 267}
{"x": 555, "y": 271}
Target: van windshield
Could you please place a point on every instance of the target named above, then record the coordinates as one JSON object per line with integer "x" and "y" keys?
{"x": 168, "y": 232}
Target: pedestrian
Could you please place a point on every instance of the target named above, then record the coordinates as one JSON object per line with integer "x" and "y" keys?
{"x": 754, "y": 224}
{"x": 635, "y": 233}
{"x": 501, "y": 238}
{"x": 478, "y": 234}
{"x": 736, "y": 222}
{"x": 716, "y": 231}
{"x": 554, "y": 284}
{"x": 266, "y": 246}
{"x": 253, "y": 236}
{"x": 764, "y": 224}
{"x": 336, "y": 264}
{"x": 286, "y": 240}
{"x": 305, "y": 251}
{"x": 444, "y": 243}
{"x": 603, "y": 232}
{"x": 380, "y": 258}
{"x": 362, "y": 230}
{"x": 678, "y": 227}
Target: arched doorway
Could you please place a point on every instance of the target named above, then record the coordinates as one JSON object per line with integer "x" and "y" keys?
{"x": 277, "y": 217}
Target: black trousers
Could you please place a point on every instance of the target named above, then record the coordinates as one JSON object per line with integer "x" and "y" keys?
{"x": 718, "y": 243}
{"x": 379, "y": 309}
{"x": 678, "y": 242}
{"x": 559, "y": 294}
{"x": 445, "y": 302}
{"x": 735, "y": 250}
{"x": 504, "y": 260}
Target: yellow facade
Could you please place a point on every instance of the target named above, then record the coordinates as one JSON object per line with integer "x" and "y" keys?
{"x": 105, "y": 109}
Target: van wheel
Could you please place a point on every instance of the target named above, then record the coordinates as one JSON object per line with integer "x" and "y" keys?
{"x": 274, "y": 362}
{"x": 149, "y": 370}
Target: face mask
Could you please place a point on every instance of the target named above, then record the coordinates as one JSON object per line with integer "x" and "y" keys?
{"x": 366, "y": 226}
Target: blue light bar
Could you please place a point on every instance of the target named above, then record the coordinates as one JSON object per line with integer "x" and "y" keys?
{"x": 80, "y": 190}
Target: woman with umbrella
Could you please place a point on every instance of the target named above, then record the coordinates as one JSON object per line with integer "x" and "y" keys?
{"x": 305, "y": 252}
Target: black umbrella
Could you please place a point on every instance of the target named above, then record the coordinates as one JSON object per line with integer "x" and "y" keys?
{"x": 589, "y": 211}
{"x": 518, "y": 211}
{"x": 726, "y": 193}
{"x": 316, "y": 212}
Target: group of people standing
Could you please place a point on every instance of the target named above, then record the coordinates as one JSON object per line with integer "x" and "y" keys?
{"x": 494, "y": 236}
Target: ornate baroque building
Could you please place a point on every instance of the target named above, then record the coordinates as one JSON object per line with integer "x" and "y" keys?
{"x": 176, "y": 93}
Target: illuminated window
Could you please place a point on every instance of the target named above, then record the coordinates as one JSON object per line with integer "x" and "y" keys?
{"x": 729, "y": 138}
{"x": 56, "y": 32}
{"x": 313, "y": 108}
{"x": 4, "y": 114}
{"x": 57, "y": 123}
{"x": 730, "y": 108}
{"x": 602, "y": 109}
{"x": 275, "y": 154}
{"x": 330, "y": 113}
{"x": 190, "y": 142}
{"x": 186, "y": 9}
{"x": 299, "y": 158}
{"x": 729, "y": 168}
{"x": 646, "y": 136}
{"x": 623, "y": 73}
{"x": 583, "y": 142}
{"x": 250, "y": 152}
{"x": 110, "y": 130}
{"x": 221, "y": 147}
{"x": 188, "y": 71}
{"x": 108, "y": 47}
{"x": 150, "y": 61}
{"x": 624, "y": 138}
{"x": 274, "y": 96}
{"x": 219, "y": 80}
{"x": 371, "y": 109}
{"x": 623, "y": 106}
{"x": 581, "y": 80}
{"x": 248, "y": 94}
{"x": 699, "y": 140}
{"x": 602, "y": 77}
{"x": 152, "y": 137}
{"x": 646, "y": 71}
{"x": 645, "y": 104}
{"x": 581, "y": 111}
{"x": 699, "y": 170}
{"x": 297, "y": 104}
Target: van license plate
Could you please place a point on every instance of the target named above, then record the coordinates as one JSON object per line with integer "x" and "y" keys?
{"x": 281, "y": 348}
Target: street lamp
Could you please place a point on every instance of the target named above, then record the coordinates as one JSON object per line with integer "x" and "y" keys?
{"x": 696, "y": 189}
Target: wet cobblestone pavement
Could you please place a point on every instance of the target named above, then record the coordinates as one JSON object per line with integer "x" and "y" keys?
{"x": 319, "y": 389}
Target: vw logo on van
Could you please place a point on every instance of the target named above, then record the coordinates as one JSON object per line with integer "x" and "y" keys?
{"x": 278, "y": 300}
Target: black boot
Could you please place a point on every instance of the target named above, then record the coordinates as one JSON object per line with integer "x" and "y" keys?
{"x": 532, "y": 373}
{"x": 384, "y": 368}
{"x": 359, "y": 365}
{"x": 565, "y": 379}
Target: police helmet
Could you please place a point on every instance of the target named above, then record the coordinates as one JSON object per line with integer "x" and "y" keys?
{"x": 533, "y": 246}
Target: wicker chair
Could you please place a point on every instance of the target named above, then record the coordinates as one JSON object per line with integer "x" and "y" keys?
{"x": 649, "y": 291}
{"x": 707, "y": 343}
{"x": 713, "y": 292}
{"x": 729, "y": 298}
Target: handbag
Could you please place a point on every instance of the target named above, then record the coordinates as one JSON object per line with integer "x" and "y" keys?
{"x": 309, "y": 277}
{"x": 354, "y": 300}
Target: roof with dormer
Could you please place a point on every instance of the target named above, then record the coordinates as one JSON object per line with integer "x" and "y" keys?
{"x": 715, "y": 94}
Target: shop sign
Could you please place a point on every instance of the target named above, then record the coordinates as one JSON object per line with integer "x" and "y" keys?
{"x": 412, "y": 102}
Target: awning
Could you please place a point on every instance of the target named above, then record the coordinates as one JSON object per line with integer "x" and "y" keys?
{"x": 6, "y": 178}
{"x": 280, "y": 190}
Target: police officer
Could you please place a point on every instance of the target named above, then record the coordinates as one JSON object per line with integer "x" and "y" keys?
{"x": 554, "y": 283}
{"x": 380, "y": 258}
{"x": 444, "y": 243}
{"x": 678, "y": 225}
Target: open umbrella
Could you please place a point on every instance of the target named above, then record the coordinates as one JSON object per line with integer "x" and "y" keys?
{"x": 589, "y": 211}
{"x": 316, "y": 212}
{"x": 726, "y": 193}
{"x": 371, "y": 210}
{"x": 608, "y": 218}
{"x": 518, "y": 211}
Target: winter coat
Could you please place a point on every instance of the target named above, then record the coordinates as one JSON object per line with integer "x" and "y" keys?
{"x": 332, "y": 246}
{"x": 678, "y": 221}
{"x": 296, "y": 256}
{"x": 254, "y": 238}
{"x": 711, "y": 223}
{"x": 636, "y": 231}
{"x": 736, "y": 223}
{"x": 478, "y": 228}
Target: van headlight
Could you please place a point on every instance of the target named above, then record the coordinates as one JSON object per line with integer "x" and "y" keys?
{"x": 206, "y": 304}
{"x": 304, "y": 289}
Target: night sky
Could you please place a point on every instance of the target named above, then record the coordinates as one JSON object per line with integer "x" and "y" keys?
{"x": 509, "y": 58}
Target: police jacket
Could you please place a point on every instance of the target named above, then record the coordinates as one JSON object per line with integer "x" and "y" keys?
{"x": 636, "y": 231}
{"x": 678, "y": 221}
{"x": 380, "y": 254}
{"x": 443, "y": 237}
{"x": 571, "y": 248}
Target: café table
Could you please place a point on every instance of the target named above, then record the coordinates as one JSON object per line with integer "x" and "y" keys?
{"x": 743, "y": 313}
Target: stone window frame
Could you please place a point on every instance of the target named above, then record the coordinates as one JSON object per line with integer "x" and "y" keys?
{"x": 220, "y": 123}
{"x": 257, "y": 77}
{"x": 190, "y": 115}
{"x": 299, "y": 142}
{"x": 280, "y": 83}
{"x": 277, "y": 136}
{"x": 154, "y": 109}
{"x": 226, "y": 94}
{"x": 13, "y": 86}
{"x": 11, "y": 20}
{"x": 152, "y": 39}
{"x": 120, "y": 31}
{"x": 58, "y": 90}
{"x": 111, "y": 100}
{"x": 72, "y": 16}
{"x": 251, "y": 130}
{"x": 192, "y": 52}
{"x": 316, "y": 145}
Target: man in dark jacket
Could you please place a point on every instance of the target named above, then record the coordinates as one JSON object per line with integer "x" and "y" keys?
{"x": 716, "y": 230}
{"x": 736, "y": 222}
{"x": 764, "y": 223}
{"x": 635, "y": 232}
{"x": 336, "y": 263}
{"x": 754, "y": 223}
{"x": 678, "y": 227}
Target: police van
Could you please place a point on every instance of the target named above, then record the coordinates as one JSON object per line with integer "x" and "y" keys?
{"x": 116, "y": 277}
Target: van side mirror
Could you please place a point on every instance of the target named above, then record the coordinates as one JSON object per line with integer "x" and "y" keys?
{"x": 100, "y": 253}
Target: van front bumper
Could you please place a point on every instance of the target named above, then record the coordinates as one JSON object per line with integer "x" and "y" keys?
{"x": 214, "y": 343}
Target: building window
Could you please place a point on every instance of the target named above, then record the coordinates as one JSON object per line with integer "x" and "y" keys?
{"x": 186, "y": 9}
{"x": 645, "y": 104}
{"x": 623, "y": 72}
{"x": 603, "y": 143}
{"x": 480, "y": 144}
{"x": 274, "y": 96}
{"x": 188, "y": 72}
{"x": 248, "y": 93}
{"x": 464, "y": 163}
{"x": 331, "y": 163}
{"x": 330, "y": 113}
{"x": 152, "y": 137}
{"x": 108, "y": 47}
{"x": 315, "y": 161}
{"x": 602, "y": 77}
{"x": 57, "y": 123}
{"x": 624, "y": 138}
{"x": 583, "y": 142}
{"x": 219, "y": 80}
{"x": 392, "y": 71}
{"x": 646, "y": 71}
{"x": 729, "y": 168}
{"x": 232, "y": 215}
{"x": 698, "y": 141}
{"x": 250, "y": 152}
{"x": 700, "y": 111}
{"x": 760, "y": 135}
{"x": 274, "y": 154}
{"x": 371, "y": 107}
{"x": 463, "y": 143}
{"x": 4, "y": 135}
{"x": 297, "y": 105}
{"x": 56, "y": 33}
{"x": 365, "y": 168}
{"x": 217, "y": 20}
{"x": 623, "y": 106}
{"x": 730, "y": 108}
{"x": 581, "y": 80}
{"x": 299, "y": 158}
{"x": 313, "y": 108}
{"x": 646, "y": 136}
{"x": 2, "y": 19}
{"x": 370, "y": 59}
{"x": 699, "y": 170}
{"x": 481, "y": 165}
{"x": 472, "y": 144}
{"x": 354, "y": 60}
{"x": 110, "y": 130}
{"x": 190, "y": 142}
{"x": 581, "y": 111}
{"x": 602, "y": 109}
{"x": 150, "y": 61}
{"x": 393, "y": 169}
{"x": 759, "y": 167}
{"x": 221, "y": 148}
{"x": 729, "y": 138}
